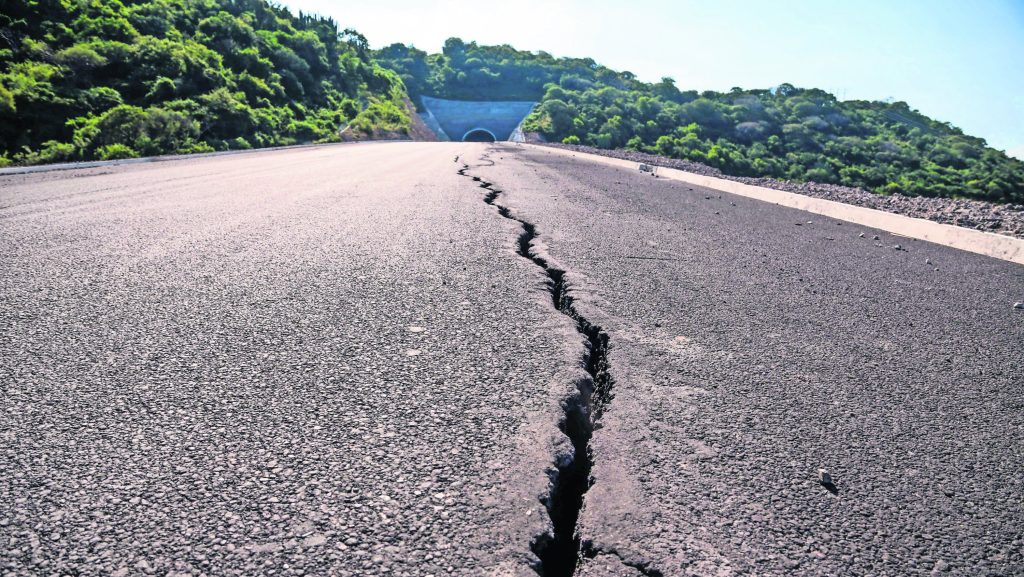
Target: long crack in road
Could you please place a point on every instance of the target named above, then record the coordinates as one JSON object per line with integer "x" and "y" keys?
{"x": 559, "y": 550}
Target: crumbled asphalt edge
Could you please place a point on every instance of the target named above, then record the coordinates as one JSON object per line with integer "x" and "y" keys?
{"x": 560, "y": 552}
{"x": 591, "y": 551}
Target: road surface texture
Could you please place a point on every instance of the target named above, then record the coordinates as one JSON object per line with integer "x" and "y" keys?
{"x": 325, "y": 361}
{"x": 361, "y": 360}
{"x": 752, "y": 345}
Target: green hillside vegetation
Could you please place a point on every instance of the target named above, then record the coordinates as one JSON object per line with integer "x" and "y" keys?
{"x": 787, "y": 132}
{"x": 102, "y": 79}
{"x": 471, "y": 72}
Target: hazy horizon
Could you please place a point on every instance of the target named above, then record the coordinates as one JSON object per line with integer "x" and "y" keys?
{"x": 957, "y": 63}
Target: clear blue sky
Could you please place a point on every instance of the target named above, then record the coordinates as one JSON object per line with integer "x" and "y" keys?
{"x": 957, "y": 61}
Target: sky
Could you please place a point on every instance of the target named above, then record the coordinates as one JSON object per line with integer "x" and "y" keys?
{"x": 956, "y": 61}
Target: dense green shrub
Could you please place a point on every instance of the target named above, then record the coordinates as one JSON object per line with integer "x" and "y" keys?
{"x": 115, "y": 152}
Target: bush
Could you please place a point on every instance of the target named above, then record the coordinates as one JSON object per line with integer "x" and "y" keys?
{"x": 6, "y": 101}
{"x": 144, "y": 131}
{"x": 81, "y": 58}
{"x": 116, "y": 152}
{"x": 385, "y": 115}
{"x": 119, "y": 125}
{"x": 197, "y": 148}
{"x": 99, "y": 99}
{"x": 52, "y": 151}
{"x": 820, "y": 175}
{"x": 163, "y": 89}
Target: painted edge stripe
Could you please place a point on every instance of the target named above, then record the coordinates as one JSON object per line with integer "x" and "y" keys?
{"x": 985, "y": 243}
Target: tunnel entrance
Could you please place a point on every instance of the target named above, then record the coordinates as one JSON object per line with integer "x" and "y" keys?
{"x": 474, "y": 120}
{"x": 479, "y": 135}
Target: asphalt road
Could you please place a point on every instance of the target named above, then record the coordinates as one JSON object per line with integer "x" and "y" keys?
{"x": 752, "y": 345}
{"x": 319, "y": 361}
{"x": 346, "y": 360}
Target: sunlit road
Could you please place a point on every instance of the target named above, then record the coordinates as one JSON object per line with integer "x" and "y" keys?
{"x": 344, "y": 360}
{"x": 311, "y": 362}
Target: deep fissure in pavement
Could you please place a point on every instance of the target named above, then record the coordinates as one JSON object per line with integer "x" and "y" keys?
{"x": 560, "y": 552}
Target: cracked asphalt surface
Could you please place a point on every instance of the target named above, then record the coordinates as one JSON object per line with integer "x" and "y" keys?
{"x": 321, "y": 361}
{"x": 753, "y": 345}
{"x": 331, "y": 361}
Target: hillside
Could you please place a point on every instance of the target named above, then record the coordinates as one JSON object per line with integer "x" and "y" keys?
{"x": 106, "y": 79}
{"x": 786, "y": 132}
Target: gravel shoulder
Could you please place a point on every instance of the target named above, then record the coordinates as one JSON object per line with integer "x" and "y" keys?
{"x": 1005, "y": 219}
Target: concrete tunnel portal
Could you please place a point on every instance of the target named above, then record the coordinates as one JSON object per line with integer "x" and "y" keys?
{"x": 475, "y": 121}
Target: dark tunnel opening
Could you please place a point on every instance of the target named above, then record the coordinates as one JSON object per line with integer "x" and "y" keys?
{"x": 478, "y": 135}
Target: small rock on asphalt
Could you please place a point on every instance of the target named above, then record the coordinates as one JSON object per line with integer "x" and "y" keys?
{"x": 824, "y": 477}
